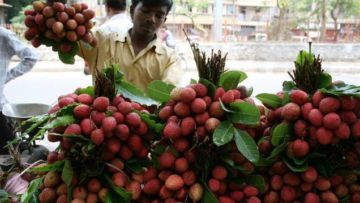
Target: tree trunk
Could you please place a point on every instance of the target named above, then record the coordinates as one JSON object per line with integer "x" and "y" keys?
{"x": 217, "y": 26}
{"x": 323, "y": 21}
{"x": 334, "y": 15}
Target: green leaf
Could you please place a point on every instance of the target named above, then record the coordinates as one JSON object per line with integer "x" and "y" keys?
{"x": 211, "y": 87}
{"x": 151, "y": 122}
{"x": 231, "y": 79}
{"x": 159, "y": 91}
{"x": 69, "y": 57}
{"x": 121, "y": 192}
{"x": 67, "y": 173}
{"x": 60, "y": 121}
{"x": 288, "y": 86}
{"x": 193, "y": 81}
{"x": 325, "y": 80}
{"x": 342, "y": 90}
{"x": 131, "y": 92}
{"x": 293, "y": 167}
{"x": 223, "y": 134}
{"x": 257, "y": 181}
{"x": 244, "y": 113}
{"x": 286, "y": 99}
{"x": 269, "y": 100}
{"x": 324, "y": 167}
{"x": 208, "y": 196}
{"x": 246, "y": 145}
{"x": 249, "y": 91}
{"x": 57, "y": 166}
{"x": 88, "y": 90}
{"x": 4, "y": 197}
{"x": 280, "y": 132}
{"x": 34, "y": 185}
{"x": 299, "y": 161}
{"x": 278, "y": 149}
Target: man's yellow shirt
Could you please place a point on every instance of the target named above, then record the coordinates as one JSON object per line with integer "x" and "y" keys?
{"x": 155, "y": 62}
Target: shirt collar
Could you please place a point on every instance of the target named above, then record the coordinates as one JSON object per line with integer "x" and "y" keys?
{"x": 156, "y": 44}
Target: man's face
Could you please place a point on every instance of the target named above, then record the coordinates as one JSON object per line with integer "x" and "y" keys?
{"x": 148, "y": 19}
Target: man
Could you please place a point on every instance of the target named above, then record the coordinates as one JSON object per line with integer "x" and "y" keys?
{"x": 140, "y": 55}
{"x": 117, "y": 20}
{"x": 10, "y": 46}
{"x": 168, "y": 37}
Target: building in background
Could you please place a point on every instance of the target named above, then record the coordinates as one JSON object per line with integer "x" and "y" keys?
{"x": 241, "y": 19}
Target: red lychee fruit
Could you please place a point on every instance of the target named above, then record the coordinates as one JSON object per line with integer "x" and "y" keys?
{"x": 299, "y": 97}
{"x": 172, "y": 130}
{"x": 211, "y": 124}
{"x": 291, "y": 111}
{"x": 73, "y": 129}
{"x": 166, "y": 112}
{"x": 347, "y": 103}
{"x": 188, "y": 126}
{"x": 82, "y": 111}
{"x": 331, "y": 121}
{"x": 85, "y": 99}
{"x": 198, "y": 105}
{"x": 119, "y": 179}
{"x": 122, "y": 131}
{"x": 288, "y": 194}
{"x": 65, "y": 101}
{"x": 187, "y": 95}
{"x": 343, "y": 131}
{"x": 135, "y": 143}
{"x": 324, "y": 136}
{"x": 152, "y": 187}
{"x": 133, "y": 119}
{"x": 300, "y": 148}
{"x": 317, "y": 97}
{"x": 218, "y": 93}
{"x": 300, "y": 128}
{"x": 348, "y": 117}
{"x": 101, "y": 104}
{"x": 113, "y": 145}
{"x": 200, "y": 89}
{"x": 305, "y": 109}
{"x": 108, "y": 124}
{"x": 181, "y": 165}
{"x": 315, "y": 117}
{"x": 214, "y": 185}
{"x": 166, "y": 160}
{"x": 215, "y": 110}
{"x": 189, "y": 178}
{"x": 228, "y": 97}
{"x": 311, "y": 197}
{"x": 219, "y": 172}
{"x": 97, "y": 136}
{"x": 310, "y": 175}
{"x": 182, "y": 109}
{"x": 329, "y": 104}
{"x": 174, "y": 182}
{"x": 322, "y": 184}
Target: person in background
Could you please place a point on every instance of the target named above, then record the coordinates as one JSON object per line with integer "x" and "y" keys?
{"x": 140, "y": 54}
{"x": 168, "y": 37}
{"x": 10, "y": 46}
{"x": 118, "y": 20}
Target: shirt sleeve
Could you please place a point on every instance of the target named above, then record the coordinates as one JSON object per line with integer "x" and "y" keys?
{"x": 27, "y": 56}
{"x": 173, "y": 73}
{"x": 91, "y": 54}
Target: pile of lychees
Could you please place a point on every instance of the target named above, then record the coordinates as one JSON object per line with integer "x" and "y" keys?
{"x": 58, "y": 25}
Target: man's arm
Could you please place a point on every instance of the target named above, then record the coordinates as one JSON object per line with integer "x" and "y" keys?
{"x": 173, "y": 74}
{"x": 27, "y": 56}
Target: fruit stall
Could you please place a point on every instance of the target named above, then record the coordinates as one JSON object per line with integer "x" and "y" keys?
{"x": 211, "y": 141}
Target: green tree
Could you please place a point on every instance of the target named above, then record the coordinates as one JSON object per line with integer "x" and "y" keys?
{"x": 190, "y": 9}
{"x": 17, "y": 6}
{"x": 343, "y": 9}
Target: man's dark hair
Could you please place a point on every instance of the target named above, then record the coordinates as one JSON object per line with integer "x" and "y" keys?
{"x": 167, "y": 3}
{"x": 116, "y": 4}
